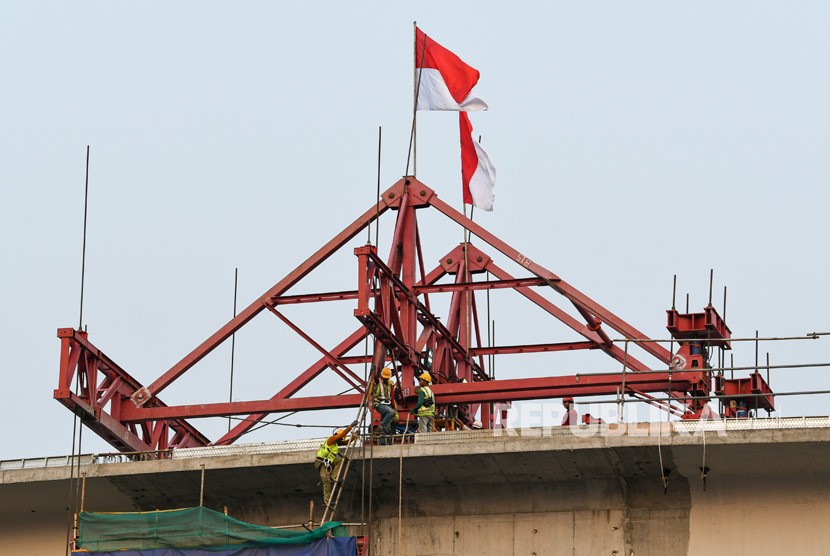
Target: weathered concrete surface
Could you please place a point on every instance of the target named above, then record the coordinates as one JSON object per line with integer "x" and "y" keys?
{"x": 473, "y": 493}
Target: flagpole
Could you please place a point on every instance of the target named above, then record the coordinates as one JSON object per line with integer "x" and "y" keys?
{"x": 410, "y": 148}
{"x": 415, "y": 98}
{"x": 467, "y": 292}
{"x": 468, "y": 299}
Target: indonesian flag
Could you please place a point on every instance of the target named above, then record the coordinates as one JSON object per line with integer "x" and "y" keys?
{"x": 478, "y": 175}
{"x": 444, "y": 81}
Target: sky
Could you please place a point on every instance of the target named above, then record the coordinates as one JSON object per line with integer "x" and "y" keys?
{"x": 633, "y": 142}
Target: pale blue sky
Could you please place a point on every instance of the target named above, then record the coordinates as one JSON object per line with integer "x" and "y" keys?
{"x": 633, "y": 141}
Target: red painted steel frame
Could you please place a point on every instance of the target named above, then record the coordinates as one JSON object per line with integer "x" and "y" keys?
{"x": 753, "y": 391}
{"x": 393, "y": 306}
{"x": 488, "y": 391}
{"x": 102, "y": 383}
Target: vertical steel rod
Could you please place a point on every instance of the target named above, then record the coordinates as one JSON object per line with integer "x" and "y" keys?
{"x": 724, "y": 304}
{"x": 202, "y": 488}
{"x": 76, "y": 419}
{"x": 489, "y": 336}
{"x": 768, "y": 411}
{"x": 74, "y": 539}
{"x": 721, "y": 364}
{"x": 622, "y": 387}
{"x": 83, "y": 249}
{"x": 711, "y": 282}
{"x": 83, "y": 490}
{"x": 494, "y": 343}
{"x": 673, "y": 292}
{"x": 377, "y": 216}
{"x": 756, "y": 369}
{"x": 233, "y": 341}
{"x": 673, "y": 308}
{"x": 756, "y": 351}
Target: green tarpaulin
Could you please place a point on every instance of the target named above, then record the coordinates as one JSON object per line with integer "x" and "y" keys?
{"x": 187, "y": 528}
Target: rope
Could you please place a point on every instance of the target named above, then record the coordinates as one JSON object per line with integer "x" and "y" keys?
{"x": 363, "y": 446}
{"x": 371, "y": 490}
{"x": 71, "y": 476}
{"x": 662, "y": 467}
{"x": 78, "y": 478}
{"x": 298, "y": 425}
{"x": 73, "y": 495}
{"x": 703, "y": 468}
{"x": 400, "y": 490}
{"x": 276, "y": 421}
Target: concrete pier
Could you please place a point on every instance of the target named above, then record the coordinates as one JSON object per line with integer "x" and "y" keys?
{"x": 553, "y": 491}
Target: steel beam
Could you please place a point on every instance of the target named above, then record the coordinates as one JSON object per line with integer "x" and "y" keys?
{"x": 553, "y": 280}
{"x": 144, "y": 394}
{"x": 446, "y": 394}
{"x": 394, "y": 306}
{"x": 532, "y": 348}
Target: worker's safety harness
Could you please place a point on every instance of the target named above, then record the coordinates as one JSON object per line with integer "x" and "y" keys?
{"x": 327, "y": 455}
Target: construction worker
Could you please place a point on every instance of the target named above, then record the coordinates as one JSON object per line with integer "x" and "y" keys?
{"x": 741, "y": 412}
{"x": 382, "y": 402}
{"x": 425, "y": 408}
{"x": 329, "y": 458}
{"x": 571, "y": 417}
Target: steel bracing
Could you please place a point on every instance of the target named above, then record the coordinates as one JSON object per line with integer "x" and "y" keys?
{"x": 392, "y": 310}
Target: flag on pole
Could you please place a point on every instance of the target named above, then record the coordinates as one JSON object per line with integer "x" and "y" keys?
{"x": 478, "y": 175}
{"x": 444, "y": 81}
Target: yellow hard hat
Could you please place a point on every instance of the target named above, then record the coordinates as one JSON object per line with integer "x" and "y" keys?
{"x": 386, "y": 372}
{"x": 425, "y": 376}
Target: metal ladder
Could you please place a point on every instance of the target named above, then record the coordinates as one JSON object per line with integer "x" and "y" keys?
{"x": 343, "y": 470}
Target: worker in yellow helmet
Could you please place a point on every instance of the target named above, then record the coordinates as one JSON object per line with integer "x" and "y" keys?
{"x": 383, "y": 402}
{"x": 425, "y": 408}
{"x": 329, "y": 458}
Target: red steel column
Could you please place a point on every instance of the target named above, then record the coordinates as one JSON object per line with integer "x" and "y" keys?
{"x": 409, "y": 260}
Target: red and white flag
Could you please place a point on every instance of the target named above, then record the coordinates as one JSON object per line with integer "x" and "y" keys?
{"x": 478, "y": 175}
{"x": 444, "y": 81}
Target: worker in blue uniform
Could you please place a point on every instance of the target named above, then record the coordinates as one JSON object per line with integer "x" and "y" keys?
{"x": 383, "y": 402}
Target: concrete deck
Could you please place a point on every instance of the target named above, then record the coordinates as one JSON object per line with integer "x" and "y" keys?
{"x": 532, "y": 491}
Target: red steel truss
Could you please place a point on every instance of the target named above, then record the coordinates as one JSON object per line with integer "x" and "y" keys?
{"x": 393, "y": 308}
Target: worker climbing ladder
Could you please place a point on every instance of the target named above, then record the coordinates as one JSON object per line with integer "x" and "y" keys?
{"x": 343, "y": 470}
